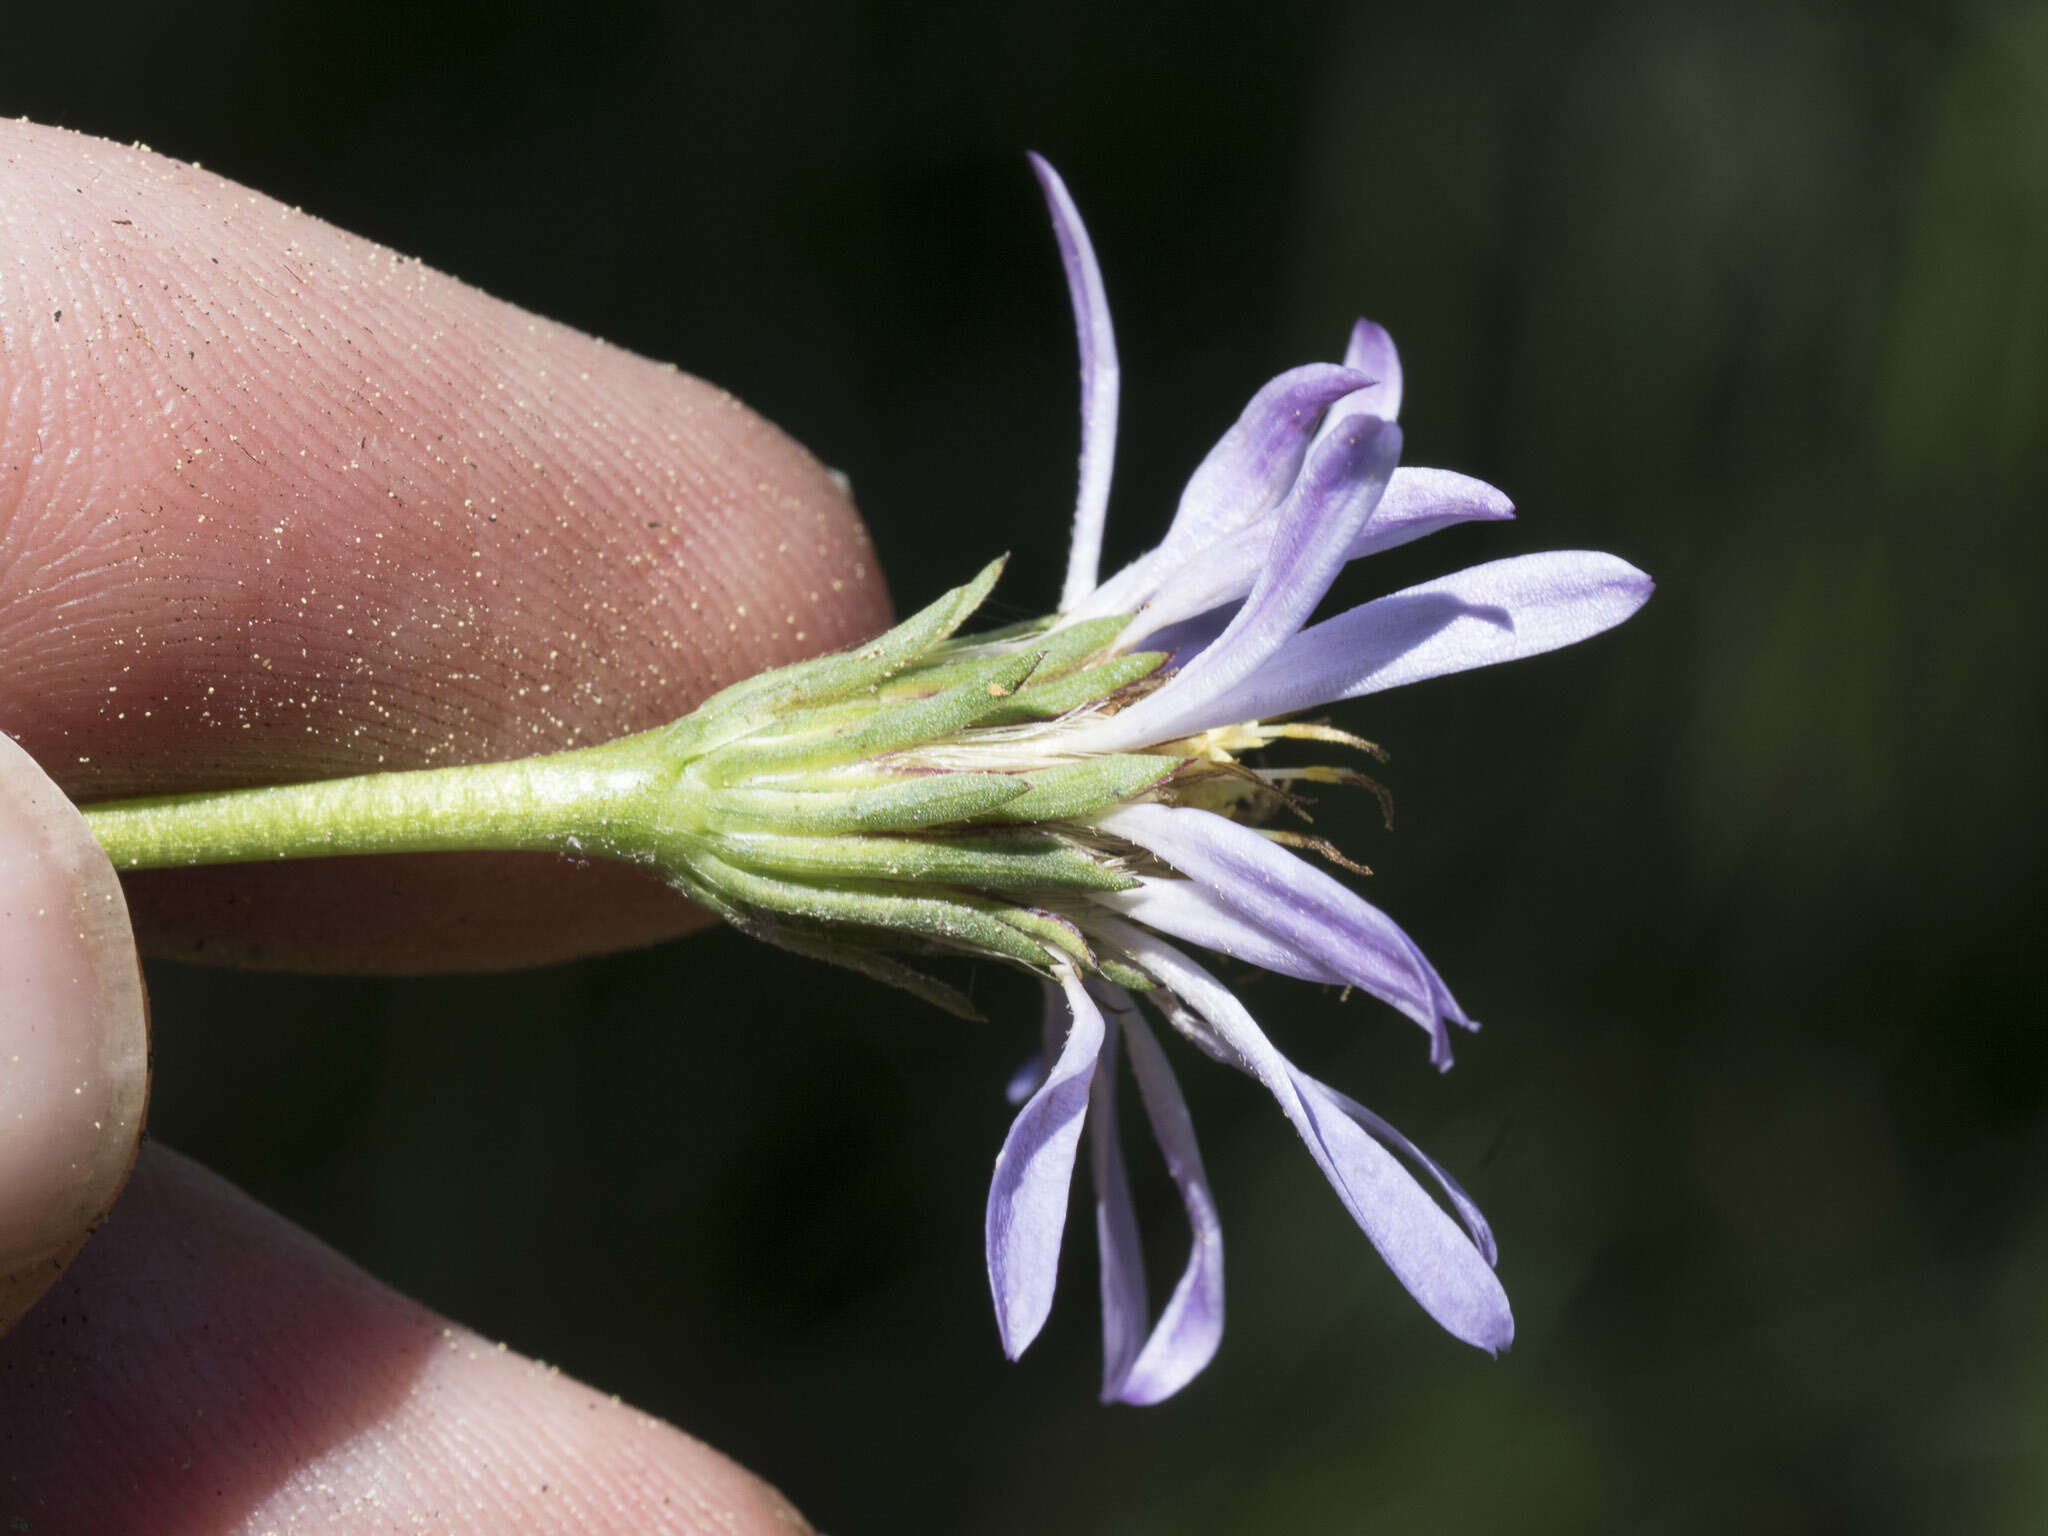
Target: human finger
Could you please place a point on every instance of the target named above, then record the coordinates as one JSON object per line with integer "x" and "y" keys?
{"x": 74, "y": 1036}
{"x": 206, "y": 1367}
{"x": 277, "y": 504}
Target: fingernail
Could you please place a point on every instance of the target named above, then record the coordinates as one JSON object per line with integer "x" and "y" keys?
{"x": 74, "y": 1034}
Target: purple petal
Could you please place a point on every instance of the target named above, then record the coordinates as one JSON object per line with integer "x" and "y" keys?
{"x": 1099, "y": 382}
{"x": 1421, "y": 501}
{"x": 1428, "y": 1252}
{"x": 1424, "y": 1247}
{"x": 1241, "y": 480}
{"x": 1417, "y": 502}
{"x": 1184, "y": 641}
{"x": 1467, "y": 1210}
{"x": 1189, "y": 911}
{"x": 1501, "y": 611}
{"x": 1318, "y": 917}
{"x": 1191, "y": 1327}
{"x": 1254, "y": 464}
{"x": 1332, "y": 497}
{"x": 1371, "y": 352}
{"x": 1125, "y": 591}
{"x": 1027, "y": 1199}
{"x": 1116, "y": 1224}
{"x": 1222, "y": 573}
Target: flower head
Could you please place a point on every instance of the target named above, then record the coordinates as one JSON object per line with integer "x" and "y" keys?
{"x": 1083, "y": 795}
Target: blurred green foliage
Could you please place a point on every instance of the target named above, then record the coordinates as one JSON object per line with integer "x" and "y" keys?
{"x": 1754, "y": 295}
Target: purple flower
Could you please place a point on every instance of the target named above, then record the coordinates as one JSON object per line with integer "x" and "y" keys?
{"x": 1076, "y": 796}
{"x": 1307, "y": 480}
{"x": 1083, "y": 795}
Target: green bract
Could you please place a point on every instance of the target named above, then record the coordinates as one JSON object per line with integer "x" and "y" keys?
{"x": 909, "y": 795}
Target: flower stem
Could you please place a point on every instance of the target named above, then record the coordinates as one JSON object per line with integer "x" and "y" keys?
{"x": 592, "y": 800}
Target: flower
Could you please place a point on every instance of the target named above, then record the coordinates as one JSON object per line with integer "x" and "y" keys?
{"x": 1069, "y": 795}
{"x": 1073, "y": 796}
{"x": 1303, "y": 483}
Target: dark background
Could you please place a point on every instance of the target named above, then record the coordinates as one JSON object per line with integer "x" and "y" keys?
{"x": 1753, "y": 295}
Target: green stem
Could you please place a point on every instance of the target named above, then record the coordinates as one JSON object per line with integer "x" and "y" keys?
{"x": 600, "y": 800}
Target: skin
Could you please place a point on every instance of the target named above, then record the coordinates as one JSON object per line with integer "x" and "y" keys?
{"x": 277, "y": 504}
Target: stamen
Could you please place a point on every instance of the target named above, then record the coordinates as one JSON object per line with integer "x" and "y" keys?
{"x": 1302, "y": 730}
{"x": 1323, "y": 773}
{"x": 1322, "y": 845}
{"x": 1224, "y": 742}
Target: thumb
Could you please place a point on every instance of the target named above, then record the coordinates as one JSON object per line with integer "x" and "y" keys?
{"x": 74, "y": 1034}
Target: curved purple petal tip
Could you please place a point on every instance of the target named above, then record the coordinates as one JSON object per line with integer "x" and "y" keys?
{"x": 1099, "y": 382}
{"x": 1027, "y": 1198}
